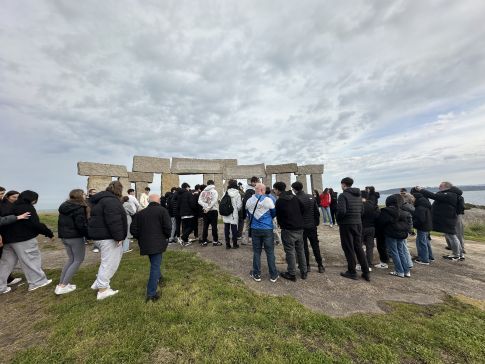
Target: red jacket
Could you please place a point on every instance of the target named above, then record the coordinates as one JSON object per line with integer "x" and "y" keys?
{"x": 325, "y": 199}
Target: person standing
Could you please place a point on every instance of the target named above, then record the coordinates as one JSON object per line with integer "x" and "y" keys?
{"x": 198, "y": 221}
{"x": 130, "y": 211}
{"x": 371, "y": 212}
{"x": 325, "y": 201}
{"x": 20, "y": 244}
{"x": 135, "y": 205}
{"x": 231, "y": 221}
{"x": 460, "y": 212}
{"x": 333, "y": 205}
{"x": 289, "y": 214}
{"x": 72, "y": 227}
{"x": 108, "y": 226}
{"x": 261, "y": 211}
{"x": 349, "y": 218}
{"x": 311, "y": 219}
{"x": 152, "y": 227}
{"x": 208, "y": 199}
{"x": 186, "y": 210}
{"x": 250, "y": 190}
{"x": 172, "y": 211}
{"x": 422, "y": 222}
{"x": 144, "y": 198}
{"x": 444, "y": 216}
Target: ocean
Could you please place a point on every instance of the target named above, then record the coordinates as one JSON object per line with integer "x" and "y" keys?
{"x": 473, "y": 197}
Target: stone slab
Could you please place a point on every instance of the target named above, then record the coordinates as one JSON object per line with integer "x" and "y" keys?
{"x": 302, "y": 178}
{"x": 168, "y": 181}
{"x": 151, "y": 164}
{"x": 310, "y": 169}
{"x": 196, "y": 166}
{"x": 267, "y": 180}
{"x": 100, "y": 169}
{"x": 227, "y": 162}
{"x": 140, "y": 177}
{"x": 244, "y": 171}
{"x": 218, "y": 183}
{"x": 284, "y": 177}
{"x": 281, "y": 168}
{"x": 99, "y": 182}
{"x": 317, "y": 182}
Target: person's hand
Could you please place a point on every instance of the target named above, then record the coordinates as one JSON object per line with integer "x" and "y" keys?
{"x": 1, "y": 241}
{"x": 119, "y": 242}
{"x": 24, "y": 216}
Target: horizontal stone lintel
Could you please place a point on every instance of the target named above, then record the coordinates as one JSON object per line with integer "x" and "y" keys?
{"x": 100, "y": 169}
{"x": 281, "y": 168}
{"x": 310, "y": 169}
{"x": 196, "y": 166}
{"x": 244, "y": 171}
{"x": 151, "y": 164}
{"x": 140, "y": 177}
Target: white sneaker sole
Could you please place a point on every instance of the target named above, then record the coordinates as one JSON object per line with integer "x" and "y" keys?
{"x": 42, "y": 285}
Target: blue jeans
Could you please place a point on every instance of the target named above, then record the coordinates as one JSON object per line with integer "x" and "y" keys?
{"x": 326, "y": 214}
{"x": 263, "y": 238}
{"x": 126, "y": 245}
{"x": 409, "y": 259}
{"x": 398, "y": 253}
{"x": 155, "y": 274}
{"x": 423, "y": 245}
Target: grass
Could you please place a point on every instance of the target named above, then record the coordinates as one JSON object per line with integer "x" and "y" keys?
{"x": 475, "y": 231}
{"x": 206, "y": 315}
{"x": 50, "y": 219}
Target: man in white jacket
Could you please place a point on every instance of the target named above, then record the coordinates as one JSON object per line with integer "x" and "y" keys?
{"x": 208, "y": 199}
{"x": 231, "y": 221}
{"x": 144, "y": 198}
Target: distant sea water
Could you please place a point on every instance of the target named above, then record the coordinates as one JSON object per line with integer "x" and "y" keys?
{"x": 473, "y": 197}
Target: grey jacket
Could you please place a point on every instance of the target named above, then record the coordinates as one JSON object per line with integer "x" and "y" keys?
{"x": 6, "y": 220}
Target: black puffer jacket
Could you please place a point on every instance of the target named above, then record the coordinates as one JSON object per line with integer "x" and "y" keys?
{"x": 151, "y": 226}
{"x": 422, "y": 219}
{"x": 311, "y": 214}
{"x": 23, "y": 230}
{"x": 289, "y": 212}
{"x": 247, "y": 195}
{"x": 73, "y": 221}
{"x": 371, "y": 212}
{"x": 374, "y": 197}
{"x": 108, "y": 218}
{"x": 350, "y": 207}
{"x": 393, "y": 223}
{"x": 444, "y": 209}
{"x": 172, "y": 203}
{"x": 333, "y": 201}
{"x": 186, "y": 203}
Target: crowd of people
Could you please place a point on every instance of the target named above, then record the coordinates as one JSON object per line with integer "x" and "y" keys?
{"x": 256, "y": 215}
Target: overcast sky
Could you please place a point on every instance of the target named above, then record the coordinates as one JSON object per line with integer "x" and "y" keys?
{"x": 391, "y": 93}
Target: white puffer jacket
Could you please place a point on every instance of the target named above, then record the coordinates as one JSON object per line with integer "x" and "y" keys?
{"x": 236, "y": 204}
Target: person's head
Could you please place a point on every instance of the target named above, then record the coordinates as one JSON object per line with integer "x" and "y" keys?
{"x": 154, "y": 198}
{"x": 185, "y": 186}
{"x": 268, "y": 191}
{"x": 116, "y": 188}
{"x": 77, "y": 196}
{"x": 325, "y": 191}
{"x": 131, "y": 191}
{"x": 316, "y": 193}
{"x": 174, "y": 189}
{"x": 394, "y": 200}
{"x": 125, "y": 199}
{"x": 297, "y": 186}
{"x": 167, "y": 194}
{"x": 92, "y": 192}
{"x": 147, "y": 190}
{"x": 253, "y": 181}
{"x": 197, "y": 187}
{"x": 364, "y": 194}
{"x": 232, "y": 183}
{"x": 403, "y": 191}
{"x": 11, "y": 196}
{"x": 279, "y": 188}
{"x": 371, "y": 190}
{"x": 330, "y": 190}
{"x": 28, "y": 196}
{"x": 210, "y": 182}
{"x": 260, "y": 188}
{"x": 2, "y": 192}
{"x": 202, "y": 187}
{"x": 445, "y": 186}
{"x": 347, "y": 182}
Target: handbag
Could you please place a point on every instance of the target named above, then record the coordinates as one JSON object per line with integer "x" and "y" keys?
{"x": 251, "y": 219}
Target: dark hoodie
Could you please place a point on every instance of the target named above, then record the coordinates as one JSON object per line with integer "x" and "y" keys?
{"x": 73, "y": 222}
{"x": 350, "y": 207}
{"x": 422, "y": 219}
{"x": 289, "y": 212}
{"x": 371, "y": 212}
{"x": 108, "y": 218}
{"x": 27, "y": 229}
{"x": 444, "y": 209}
{"x": 185, "y": 203}
{"x": 392, "y": 221}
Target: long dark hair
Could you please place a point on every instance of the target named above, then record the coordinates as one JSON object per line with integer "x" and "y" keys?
{"x": 116, "y": 188}
{"x": 76, "y": 196}
{"x": 316, "y": 193}
{"x": 325, "y": 191}
{"x": 8, "y": 194}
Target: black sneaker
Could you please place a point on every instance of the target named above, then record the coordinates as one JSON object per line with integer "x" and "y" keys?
{"x": 462, "y": 258}
{"x": 303, "y": 275}
{"x": 228, "y": 246}
{"x": 288, "y": 276}
{"x": 349, "y": 275}
{"x": 321, "y": 269}
{"x": 256, "y": 277}
{"x": 235, "y": 245}
{"x": 419, "y": 261}
{"x": 216, "y": 243}
{"x": 366, "y": 276}
{"x": 204, "y": 243}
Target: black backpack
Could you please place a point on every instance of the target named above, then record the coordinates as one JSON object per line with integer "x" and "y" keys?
{"x": 225, "y": 206}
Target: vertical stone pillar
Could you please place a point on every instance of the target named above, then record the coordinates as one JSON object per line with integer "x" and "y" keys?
{"x": 286, "y": 178}
{"x": 208, "y": 176}
{"x": 302, "y": 178}
{"x": 267, "y": 181}
{"x": 317, "y": 182}
{"x": 219, "y": 185}
{"x": 168, "y": 181}
{"x": 140, "y": 188}
{"x": 126, "y": 184}
{"x": 99, "y": 182}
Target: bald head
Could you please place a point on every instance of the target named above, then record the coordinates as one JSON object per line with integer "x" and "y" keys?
{"x": 260, "y": 188}
{"x": 154, "y": 198}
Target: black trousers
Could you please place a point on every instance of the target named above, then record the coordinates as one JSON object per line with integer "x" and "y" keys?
{"x": 178, "y": 223}
{"x": 230, "y": 228}
{"x": 240, "y": 226}
{"x": 210, "y": 218}
{"x": 368, "y": 241}
{"x": 187, "y": 228}
{"x": 312, "y": 235}
{"x": 381, "y": 247}
{"x": 333, "y": 212}
{"x": 195, "y": 222}
{"x": 351, "y": 241}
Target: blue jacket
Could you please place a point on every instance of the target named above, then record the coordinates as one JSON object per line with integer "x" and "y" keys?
{"x": 264, "y": 213}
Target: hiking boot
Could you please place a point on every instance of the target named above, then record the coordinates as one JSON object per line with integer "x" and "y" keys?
{"x": 216, "y": 243}
{"x": 349, "y": 275}
{"x": 228, "y": 246}
{"x": 321, "y": 269}
{"x": 256, "y": 277}
{"x": 303, "y": 275}
{"x": 288, "y": 276}
{"x": 366, "y": 276}
{"x": 235, "y": 245}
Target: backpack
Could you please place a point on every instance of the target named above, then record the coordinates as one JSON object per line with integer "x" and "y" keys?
{"x": 225, "y": 206}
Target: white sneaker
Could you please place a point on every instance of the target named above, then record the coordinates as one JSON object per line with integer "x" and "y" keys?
{"x": 408, "y": 274}
{"x": 72, "y": 285}
{"x": 358, "y": 267}
{"x": 108, "y": 293}
{"x": 94, "y": 286}
{"x": 129, "y": 250}
{"x": 95, "y": 250}
{"x": 62, "y": 290}
{"x": 381, "y": 265}
{"x": 42, "y": 285}
{"x": 370, "y": 269}
{"x": 14, "y": 282}
{"x": 8, "y": 289}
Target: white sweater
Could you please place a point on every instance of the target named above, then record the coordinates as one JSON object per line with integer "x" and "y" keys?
{"x": 236, "y": 204}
